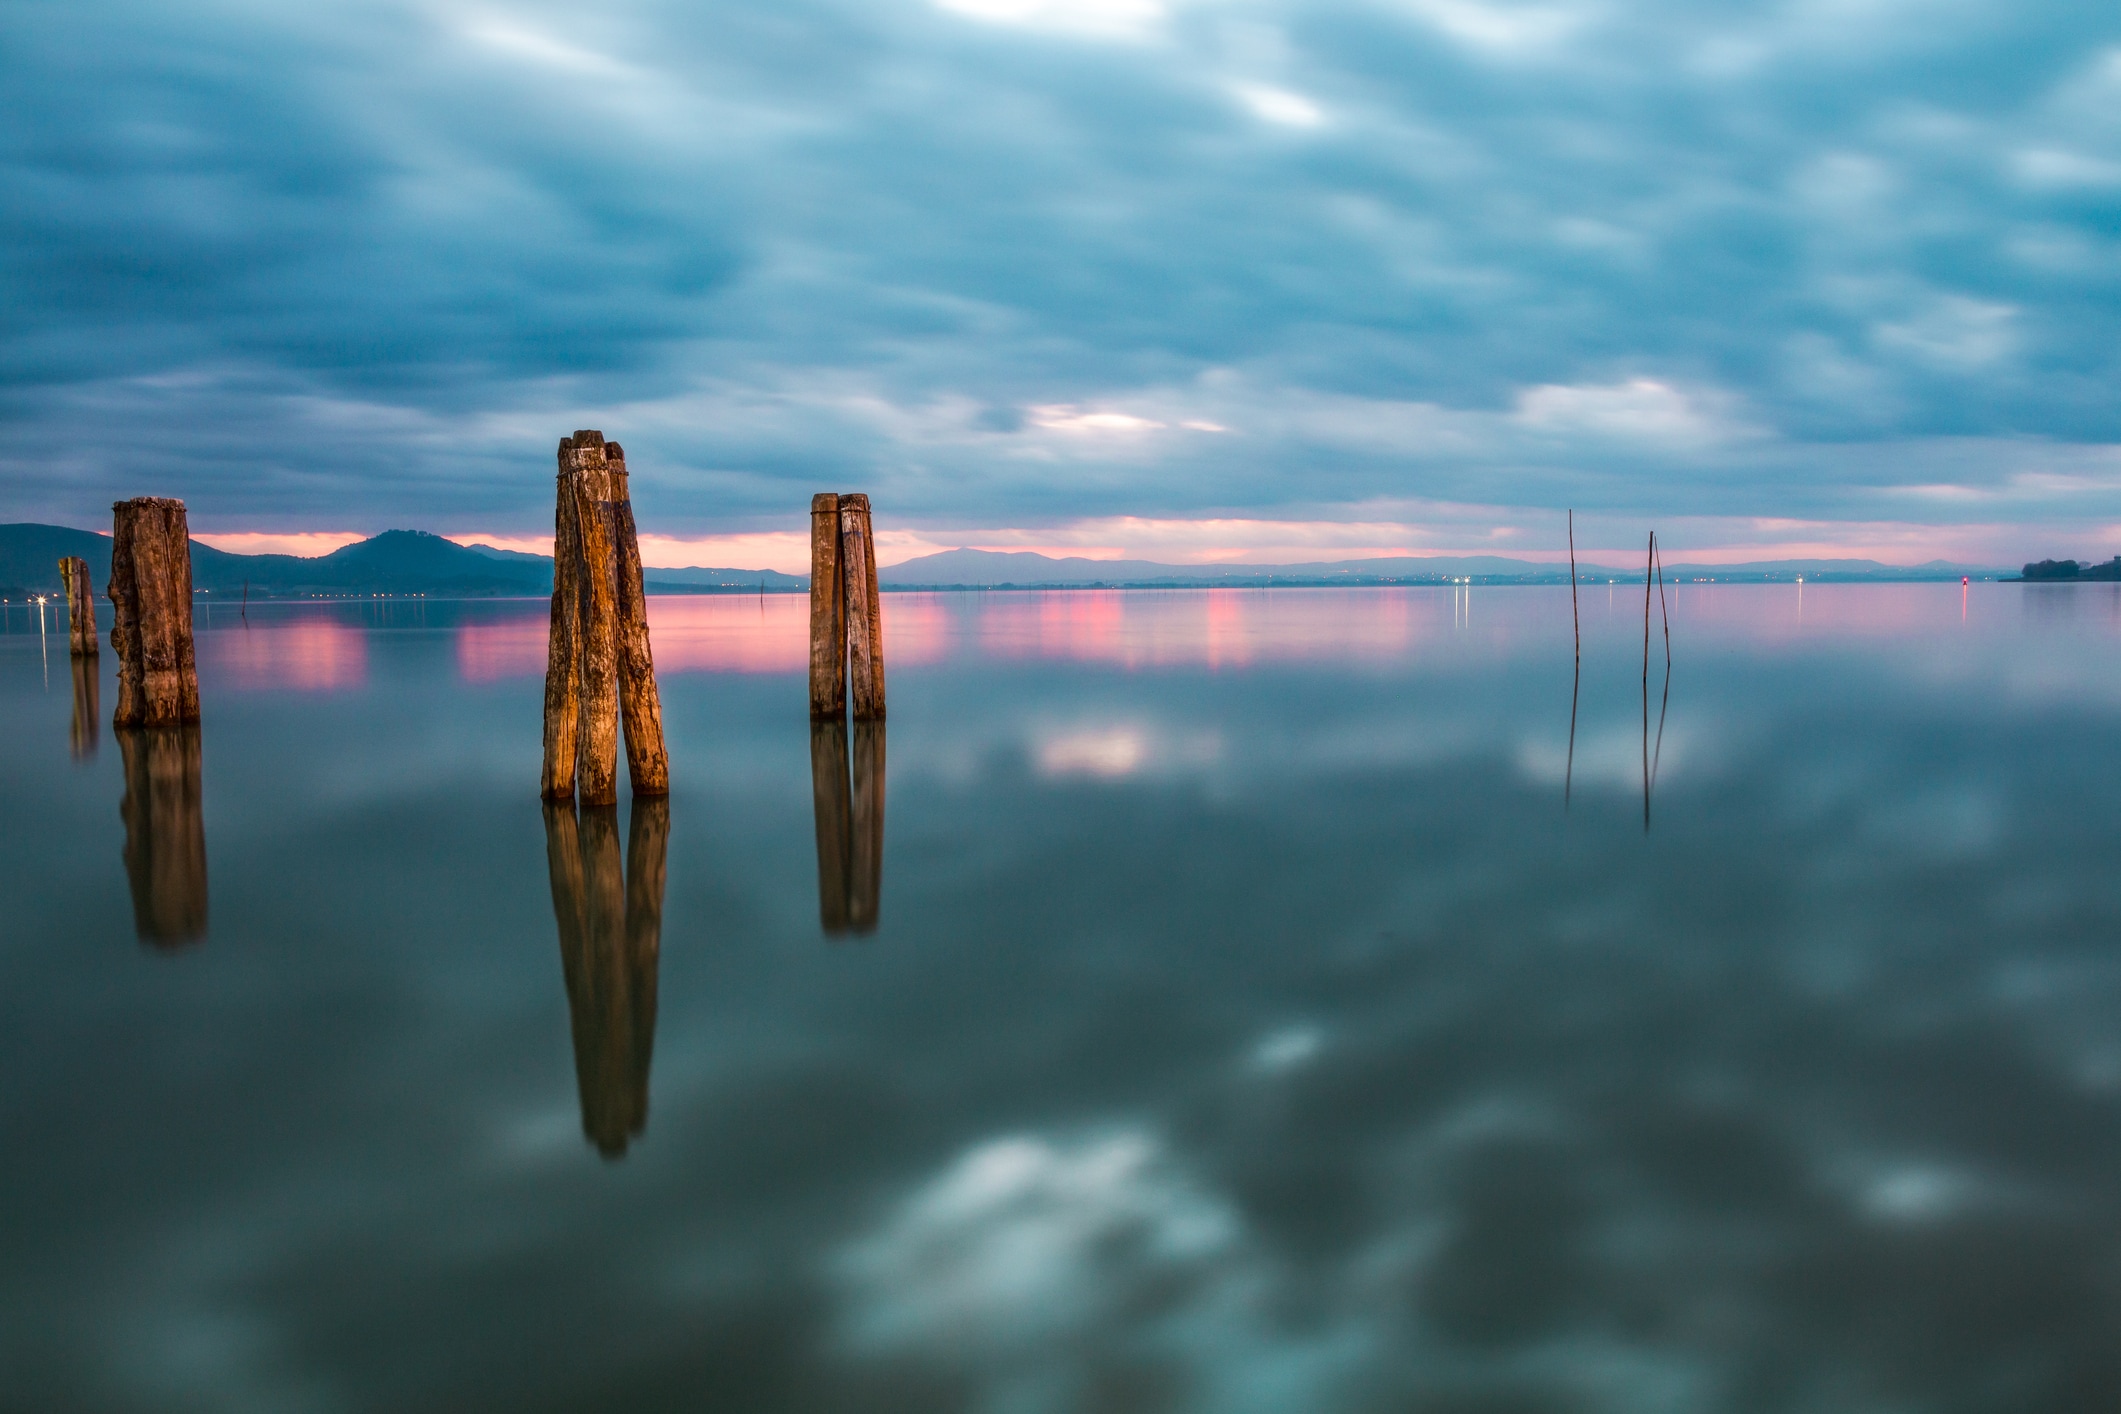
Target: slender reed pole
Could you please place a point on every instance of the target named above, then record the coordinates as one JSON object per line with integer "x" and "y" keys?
{"x": 1648, "y": 566}
{"x": 1568, "y": 779}
{"x": 1657, "y": 753}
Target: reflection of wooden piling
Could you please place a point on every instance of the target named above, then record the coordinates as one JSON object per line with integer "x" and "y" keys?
{"x": 846, "y": 611}
{"x": 828, "y": 628}
{"x": 866, "y": 867}
{"x": 610, "y": 926}
{"x": 80, "y": 607}
{"x": 850, "y": 824}
{"x": 599, "y": 666}
{"x": 835, "y": 821}
{"x": 165, "y": 833}
{"x": 86, "y": 712}
{"x": 150, "y": 595}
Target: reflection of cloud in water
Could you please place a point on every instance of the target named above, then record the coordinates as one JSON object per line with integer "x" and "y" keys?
{"x": 1070, "y": 1274}
{"x": 1122, "y": 749}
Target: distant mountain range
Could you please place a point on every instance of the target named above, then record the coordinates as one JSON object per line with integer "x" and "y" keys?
{"x": 395, "y": 562}
{"x": 415, "y": 562}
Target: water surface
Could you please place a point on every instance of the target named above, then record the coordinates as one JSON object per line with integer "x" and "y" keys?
{"x": 1191, "y": 1001}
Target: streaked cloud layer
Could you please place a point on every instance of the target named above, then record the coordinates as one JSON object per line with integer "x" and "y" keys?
{"x": 1406, "y": 274}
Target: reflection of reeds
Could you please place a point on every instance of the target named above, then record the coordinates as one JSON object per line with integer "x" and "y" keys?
{"x": 165, "y": 833}
{"x": 610, "y": 925}
{"x": 1653, "y": 568}
{"x": 1568, "y": 779}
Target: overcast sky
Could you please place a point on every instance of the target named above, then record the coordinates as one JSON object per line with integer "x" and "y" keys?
{"x": 1181, "y": 280}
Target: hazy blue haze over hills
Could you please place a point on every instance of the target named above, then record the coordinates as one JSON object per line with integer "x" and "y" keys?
{"x": 414, "y": 562}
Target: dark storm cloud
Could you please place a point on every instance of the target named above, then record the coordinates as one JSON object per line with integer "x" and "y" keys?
{"x": 362, "y": 264}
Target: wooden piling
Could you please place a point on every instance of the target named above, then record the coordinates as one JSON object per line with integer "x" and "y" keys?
{"x": 640, "y": 705}
{"x": 165, "y": 833}
{"x": 599, "y": 667}
{"x": 828, "y": 626}
{"x": 80, "y": 607}
{"x": 859, "y": 601}
{"x": 596, "y": 764}
{"x": 150, "y": 594}
{"x": 562, "y": 683}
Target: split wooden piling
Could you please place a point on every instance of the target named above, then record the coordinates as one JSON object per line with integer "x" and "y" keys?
{"x": 828, "y": 629}
{"x": 846, "y": 611}
{"x": 599, "y": 666}
{"x": 150, "y": 595}
{"x": 80, "y": 607}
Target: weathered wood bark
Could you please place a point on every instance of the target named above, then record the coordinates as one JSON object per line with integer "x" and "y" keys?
{"x": 87, "y": 714}
{"x": 828, "y": 626}
{"x": 610, "y": 928}
{"x": 165, "y": 833}
{"x": 150, "y": 594}
{"x": 562, "y": 680}
{"x": 80, "y": 607}
{"x": 640, "y": 705}
{"x": 865, "y": 880}
{"x": 599, "y": 667}
{"x": 865, "y": 668}
{"x": 835, "y": 822}
{"x": 597, "y": 731}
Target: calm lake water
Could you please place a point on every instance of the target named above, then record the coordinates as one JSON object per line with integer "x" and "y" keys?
{"x": 1222, "y": 1009}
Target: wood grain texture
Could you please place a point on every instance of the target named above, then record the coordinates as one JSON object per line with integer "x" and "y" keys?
{"x": 80, "y": 607}
{"x": 165, "y": 833}
{"x": 640, "y": 704}
{"x": 562, "y": 683}
{"x": 828, "y": 627}
{"x": 150, "y": 594}
{"x": 597, "y": 720}
{"x": 864, "y": 675}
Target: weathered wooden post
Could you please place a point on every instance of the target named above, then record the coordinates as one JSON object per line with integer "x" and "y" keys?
{"x": 596, "y": 760}
{"x": 165, "y": 833}
{"x": 640, "y": 705}
{"x": 599, "y": 664}
{"x": 87, "y": 714}
{"x": 610, "y": 927}
{"x": 863, "y": 611}
{"x": 150, "y": 595}
{"x": 562, "y": 644}
{"x": 80, "y": 607}
{"x": 828, "y": 626}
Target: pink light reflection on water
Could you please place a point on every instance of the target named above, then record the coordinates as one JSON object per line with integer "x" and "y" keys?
{"x": 1236, "y": 628}
{"x": 307, "y": 654}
